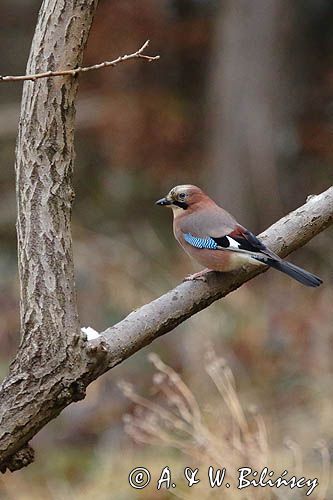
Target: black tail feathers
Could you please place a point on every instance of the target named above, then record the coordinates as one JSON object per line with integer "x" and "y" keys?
{"x": 295, "y": 272}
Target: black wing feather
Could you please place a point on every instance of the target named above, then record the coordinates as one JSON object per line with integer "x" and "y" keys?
{"x": 249, "y": 242}
{"x": 246, "y": 240}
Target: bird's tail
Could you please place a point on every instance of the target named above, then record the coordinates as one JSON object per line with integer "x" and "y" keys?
{"x": 295, "y": 272}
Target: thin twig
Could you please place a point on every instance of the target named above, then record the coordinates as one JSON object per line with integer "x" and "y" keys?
{"x": 72, "y": 72}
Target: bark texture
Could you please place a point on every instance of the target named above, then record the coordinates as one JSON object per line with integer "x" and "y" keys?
{"x": 48, "y": 356}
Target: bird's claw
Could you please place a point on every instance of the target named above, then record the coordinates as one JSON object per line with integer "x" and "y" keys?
{"x": 200, "y": 276}
{"x": 195, "y": 278}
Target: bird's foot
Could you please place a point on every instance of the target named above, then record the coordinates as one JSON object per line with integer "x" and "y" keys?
{"x": 200, "y": 276}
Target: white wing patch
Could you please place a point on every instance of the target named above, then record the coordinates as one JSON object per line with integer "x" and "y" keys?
{"x": 233, "y": 243}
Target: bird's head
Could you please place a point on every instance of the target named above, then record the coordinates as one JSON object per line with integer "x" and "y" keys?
{"x": 183, "y": 197}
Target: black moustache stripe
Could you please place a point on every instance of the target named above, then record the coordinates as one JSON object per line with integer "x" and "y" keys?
{"x": 180, "y": 204}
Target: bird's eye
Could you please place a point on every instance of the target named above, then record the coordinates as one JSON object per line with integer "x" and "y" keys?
{"x": 182, "y": 196}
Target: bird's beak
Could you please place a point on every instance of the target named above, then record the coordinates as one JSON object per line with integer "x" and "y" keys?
{"x": 163, "y": 202}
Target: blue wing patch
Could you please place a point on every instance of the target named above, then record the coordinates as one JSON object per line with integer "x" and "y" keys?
{"x": 198, "y": 242}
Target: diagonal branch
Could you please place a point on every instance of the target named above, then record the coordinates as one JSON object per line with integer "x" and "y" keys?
{"x": 73, "y": 72}
{"x": 139, "y": 329}
{"x": 162, "y": 315}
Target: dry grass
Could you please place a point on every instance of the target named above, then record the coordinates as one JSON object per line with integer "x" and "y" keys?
{"x": 172, "y": 428}
{"x": 225, "y": 436}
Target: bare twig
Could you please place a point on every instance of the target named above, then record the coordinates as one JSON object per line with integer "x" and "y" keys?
{"x": 72, "y": 72}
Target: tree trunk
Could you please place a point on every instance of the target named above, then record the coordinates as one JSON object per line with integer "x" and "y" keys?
{"x": 48, "y": 357}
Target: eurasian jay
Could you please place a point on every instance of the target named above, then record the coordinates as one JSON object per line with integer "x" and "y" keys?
{"x": 212, "y": 237}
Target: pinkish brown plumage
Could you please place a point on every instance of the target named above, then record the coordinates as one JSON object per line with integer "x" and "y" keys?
{"x": 212, "y": 237}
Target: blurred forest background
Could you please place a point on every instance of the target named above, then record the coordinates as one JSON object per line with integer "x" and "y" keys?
{"x": 240, "y": 103}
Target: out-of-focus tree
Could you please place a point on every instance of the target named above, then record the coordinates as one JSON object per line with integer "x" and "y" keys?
{"x": 247, "y": 85}
{"x": 268, "y": 102}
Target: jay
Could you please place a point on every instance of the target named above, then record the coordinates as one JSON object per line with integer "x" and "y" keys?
{"x": 212, "y": 237}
